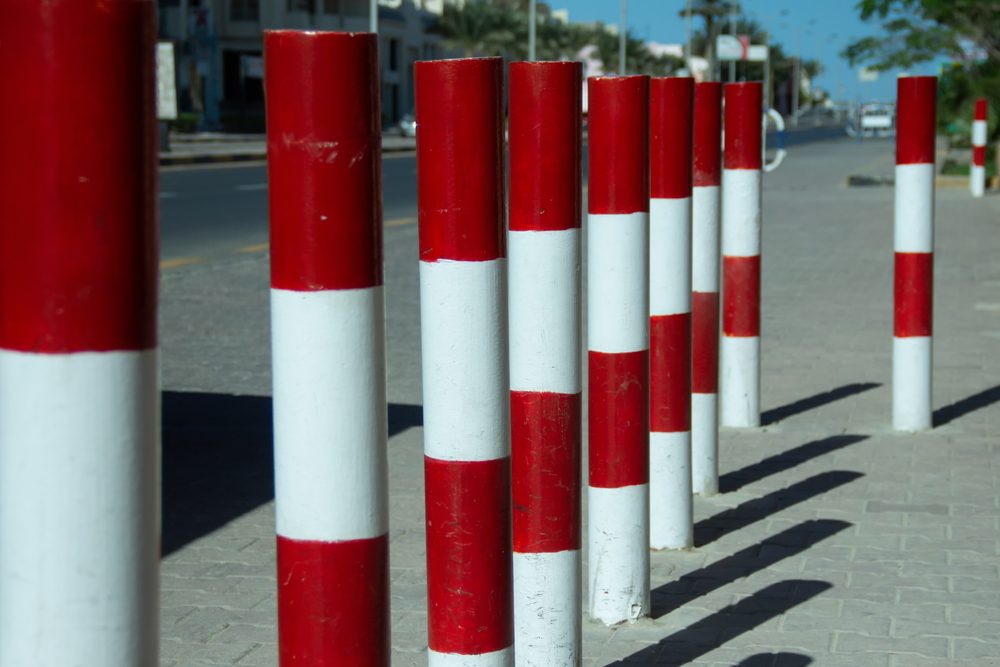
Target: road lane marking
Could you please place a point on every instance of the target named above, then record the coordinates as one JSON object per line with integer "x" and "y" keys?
{"x": 250, "y": 187}
{"x": 256, "y": 247}
{"x": 400, "y": 222}
{"x": 179, "y": 261}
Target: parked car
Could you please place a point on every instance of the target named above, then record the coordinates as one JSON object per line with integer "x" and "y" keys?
{"x": 408, "y": 125}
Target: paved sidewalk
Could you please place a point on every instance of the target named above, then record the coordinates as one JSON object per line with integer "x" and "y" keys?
{"x": 835, "y": 542}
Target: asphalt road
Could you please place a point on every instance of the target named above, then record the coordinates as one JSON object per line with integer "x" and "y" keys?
{"x": 208, "y": 212}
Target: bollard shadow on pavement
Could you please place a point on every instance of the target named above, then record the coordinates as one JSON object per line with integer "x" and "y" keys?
{"x": 775, "y": 415}
{"x": 786, "y": 460}
{"x": 710, "y": 529}
{"x": 715, "y": 630}
{"x": 782, "y": 659}
{"x": 218, "y": 460}
{"x": 969, "y": 404}
{"x": 789, "y": 542}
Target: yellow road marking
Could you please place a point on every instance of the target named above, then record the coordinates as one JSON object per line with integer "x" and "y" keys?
{"x": 257, "y": 247}
{"x": 179, "y": 261}
{"x": 399, "y": 222}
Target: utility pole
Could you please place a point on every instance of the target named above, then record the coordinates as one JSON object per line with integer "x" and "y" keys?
{"x": 622, "y": 31}
{"x": 732, "y": 31}
{"x": 797, "y": 79}
{"x": 688, "y": 52}
{"x": 531, "y": 30}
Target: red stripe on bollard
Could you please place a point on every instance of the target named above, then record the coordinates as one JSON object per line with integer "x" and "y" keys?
{"x": 76, "y": 193}
{"x": 545, "y": 166}
{"x": 704, "y": 342}
{"x": 913, "y": 286}
{"x": 741, "y": 300}
{"x": 915, "y": 119}
{"x": 468, "y": 549}
{"x": 545, "y": 428}
{"x": 337, "y": 584}
{"x": 324, "y": 181}
{"x": 619, "y": 432}
{"x": 670, "y": 120}
{"x": 979, "y": 156}
{"x": 670, "y": 373}
{"x": 458, "y": 149}
{"x": 619, "y": 144}
{"x": 743, "y": 128}
{"x": 79, "y": 364}
{"x": 331, "y": 491}
{"x": 981, "y": 106}
{"x": 707, "y": 133}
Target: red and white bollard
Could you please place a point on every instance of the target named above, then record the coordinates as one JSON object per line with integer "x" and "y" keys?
{"x": 463, "y": 315}
{"x": 977, "y": 172}
{"x": 328, "y": 347}
{"x": 79, "y": 370}
{"x": 914, "y": 244}
{"x": 705, "y": 288}
{"x": 545, "y": 385}
{"x": 670, "y": 506}
{"x": 618, "y": 348}
{"x": 741, "y": 184}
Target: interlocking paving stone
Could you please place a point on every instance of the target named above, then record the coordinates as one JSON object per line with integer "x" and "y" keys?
{"x": 838, "y": 542}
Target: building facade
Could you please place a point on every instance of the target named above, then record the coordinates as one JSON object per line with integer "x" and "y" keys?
{"x": 219, "y": 47}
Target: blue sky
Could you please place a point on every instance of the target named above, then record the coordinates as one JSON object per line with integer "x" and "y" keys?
{"x": 824, "y": 28}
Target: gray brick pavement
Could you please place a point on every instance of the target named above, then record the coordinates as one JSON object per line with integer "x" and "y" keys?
{"x": 837, "y": 542}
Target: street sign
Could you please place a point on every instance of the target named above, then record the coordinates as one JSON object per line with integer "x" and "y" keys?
{"x": 867, "y": 75}
{"x": 730, "y": 47}
{"x": 738, "y": 47}
{"x": 166, "y": 83}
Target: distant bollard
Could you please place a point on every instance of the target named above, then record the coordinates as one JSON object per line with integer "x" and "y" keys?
{"x": 977, "y": 172}
{"x": 707, "y": 135}
{"x": 463, "y": 319}
{"x": 670, "y": 506}
{"x": 328, "y": 347}
{"x": 545, "y": 384}
{"x": 79, "y": 367}
{"x": 618, "y": 349}
{"x": 914, "y": 260}
{"x": 741, "y": 220}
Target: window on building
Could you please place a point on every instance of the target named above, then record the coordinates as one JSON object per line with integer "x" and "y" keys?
{"x": 308, "y": 6}
{"x": 244, "y": 10}
{"x": 331, "y": 7}
{"x": 393, "y": 55}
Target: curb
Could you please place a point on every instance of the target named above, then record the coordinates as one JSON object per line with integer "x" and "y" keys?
{"x": 211, "y": 158}
{"x": 256, "y": 155}
{"x": 862, "y": 181}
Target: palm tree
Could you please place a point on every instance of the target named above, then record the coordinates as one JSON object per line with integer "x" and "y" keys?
{"x": 481, "y": 28}
{"x": 713, "y": 12}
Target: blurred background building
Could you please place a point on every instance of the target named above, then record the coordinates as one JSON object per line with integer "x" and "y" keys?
{"x": 219, "y": 45}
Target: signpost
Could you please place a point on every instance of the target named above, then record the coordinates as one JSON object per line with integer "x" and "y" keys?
{"x": 166, "y": 90}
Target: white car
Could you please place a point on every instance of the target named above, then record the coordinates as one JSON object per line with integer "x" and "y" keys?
{"x": 877, "y": 119}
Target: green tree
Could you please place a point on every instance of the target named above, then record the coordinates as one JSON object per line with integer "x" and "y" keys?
{"x": 714, "y": 14}
{"x": 917, "y": 31}
{"x": 479, "y": 28}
